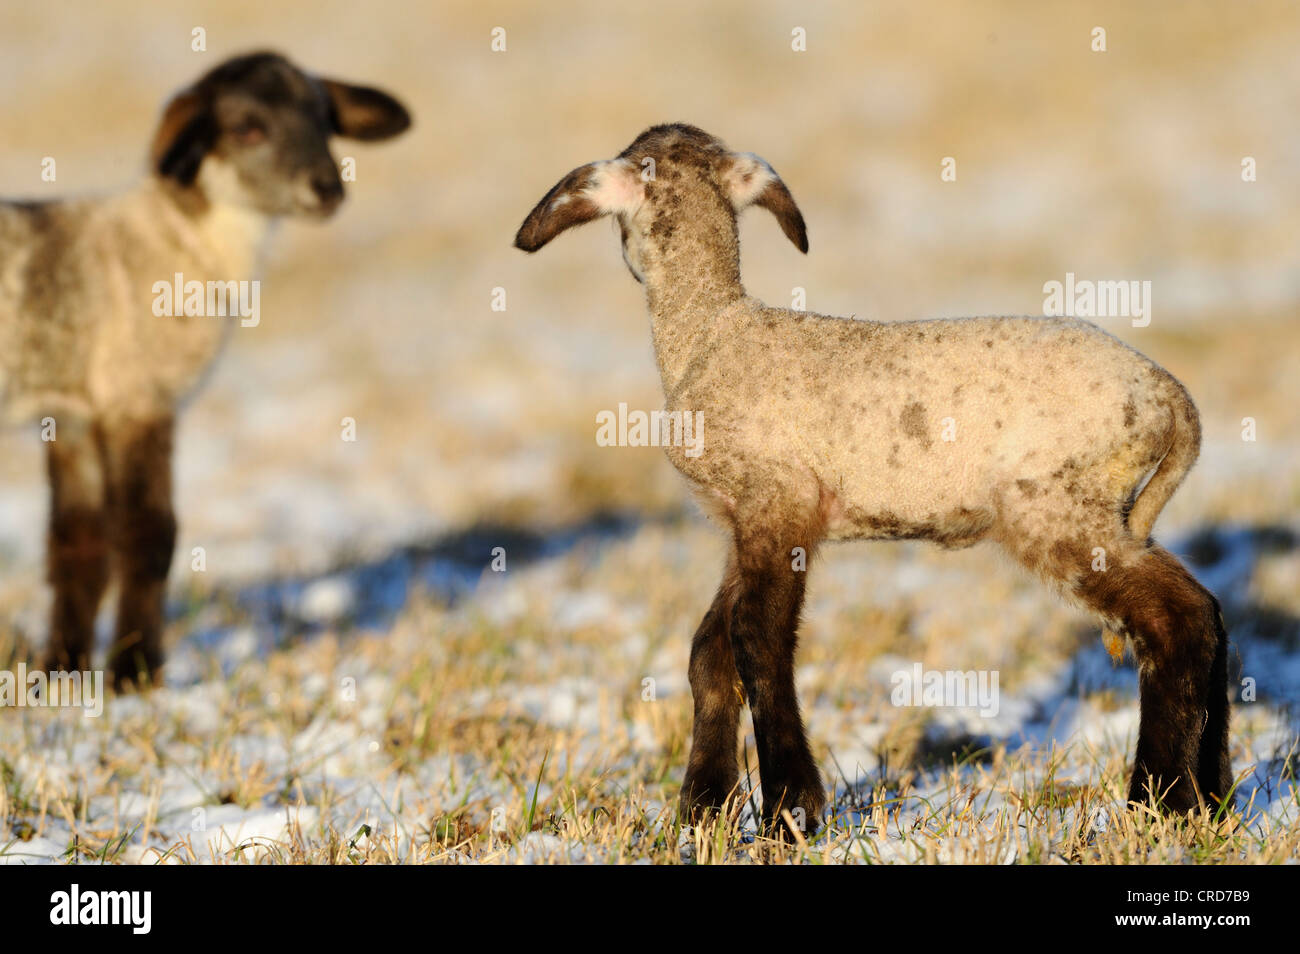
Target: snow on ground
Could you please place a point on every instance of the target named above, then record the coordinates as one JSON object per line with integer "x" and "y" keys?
{"x": 349, "y": 681}
{"x": 493, "y": 721}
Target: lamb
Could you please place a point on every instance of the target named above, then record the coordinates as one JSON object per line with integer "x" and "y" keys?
{"x": 81, "y": 342}
{"x": 1033, "y": 433}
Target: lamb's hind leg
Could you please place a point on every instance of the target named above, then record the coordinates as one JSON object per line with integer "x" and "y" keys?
{"x": 1214, "y": 764}
{"x": 1181, "y": 648}
{"x": 711, "y": 773}
{"x": 763, "y": 640}
{"x": 138, "y": 461}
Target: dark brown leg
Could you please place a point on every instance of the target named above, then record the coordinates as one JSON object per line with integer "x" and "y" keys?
{"x": 143, "y": 526}
{"x": 763, "y": 641}
{"x": 711, "y": 773}
{"x": 1214, "y": 767}
{"x": 77, "y": 548}
{"x": 1181, "y": 649}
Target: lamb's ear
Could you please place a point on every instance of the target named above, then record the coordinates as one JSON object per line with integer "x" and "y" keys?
{"x": 363, "y": 112}
{"x": 751, "y": 181}
{"x": 185, "y": 134}
{"x": 586, "y": 193}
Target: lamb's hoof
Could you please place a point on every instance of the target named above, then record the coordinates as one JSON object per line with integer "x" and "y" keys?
{"x": 136, "y": 675}
{"x": 51, "y": 664}
{"x": 796, "y": 818}
{"x": 701, "y": 799}
{"x": 1174, "y": 800}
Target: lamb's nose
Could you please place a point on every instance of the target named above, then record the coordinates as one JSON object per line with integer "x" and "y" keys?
{"x": 328, "y": 187}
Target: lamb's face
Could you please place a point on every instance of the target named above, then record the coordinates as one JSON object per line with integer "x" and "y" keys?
{"x": 670, "y": 179}
{"x": 254, "y": 132}
{"x": 271, "y": 150}
{"x": 670, "y": 173}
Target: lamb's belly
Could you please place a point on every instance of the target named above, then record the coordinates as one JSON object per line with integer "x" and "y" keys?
{"x": 29, "y": 389}
{"x": 19, "y": 407}
{"x": 166, "y": 366}
{"x": 951, "y": 507}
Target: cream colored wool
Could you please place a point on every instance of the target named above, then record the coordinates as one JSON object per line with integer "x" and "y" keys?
{"x": 78, "y": 336}
{"x": 1033, "y": 432}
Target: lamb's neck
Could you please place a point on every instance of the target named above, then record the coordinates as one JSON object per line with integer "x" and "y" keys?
{"x": 686, "y": 293}
{"x": 226, "y": 241}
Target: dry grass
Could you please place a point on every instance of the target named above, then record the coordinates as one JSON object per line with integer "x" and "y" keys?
{"x": 524, "y": 703}
{"x": 519, "y": 726}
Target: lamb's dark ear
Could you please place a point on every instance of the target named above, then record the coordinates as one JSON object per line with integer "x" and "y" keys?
{"x": 586, "y": 193}
{"x": 362, "y": 112}
{"x": 751, "y": 181}
{"x": 185, "y": 134}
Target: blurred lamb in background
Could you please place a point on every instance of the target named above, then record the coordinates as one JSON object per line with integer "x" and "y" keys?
{"x": 112, "y": 309}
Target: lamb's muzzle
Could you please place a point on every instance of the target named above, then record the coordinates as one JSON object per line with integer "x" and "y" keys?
{"x": 1034, "y": 433}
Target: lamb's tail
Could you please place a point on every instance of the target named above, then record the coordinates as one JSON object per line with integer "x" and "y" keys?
{"x": 1184, "y": 447}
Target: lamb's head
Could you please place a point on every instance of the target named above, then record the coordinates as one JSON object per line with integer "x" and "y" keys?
{"x": 254, "y": 132}
{"x": 673, "y": 183}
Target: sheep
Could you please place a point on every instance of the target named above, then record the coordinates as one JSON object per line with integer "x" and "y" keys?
{"x": 821, "y": 428}
{"x": 81, "y": 342}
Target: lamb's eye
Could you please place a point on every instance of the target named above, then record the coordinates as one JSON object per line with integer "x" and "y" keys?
{"x": 249, "y": 131}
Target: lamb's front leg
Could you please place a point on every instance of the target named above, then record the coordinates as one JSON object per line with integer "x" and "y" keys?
{"x": 763, "y": 640}
{"x": 712, "y": 773}
{"x": 78, "y": 547}
{"x": 139, "y": 463}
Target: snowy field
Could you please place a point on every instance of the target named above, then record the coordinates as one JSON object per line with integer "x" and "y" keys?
{"x": 350, "y": 680}
{"x": 512, "y": 720}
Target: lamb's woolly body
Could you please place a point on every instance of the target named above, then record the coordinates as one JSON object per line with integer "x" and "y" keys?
{"x": 936, "y": 429}
{"x": 1052, "y": 420}
{"x": 1036, "y": 433}
{"x": 78, "y": 335}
